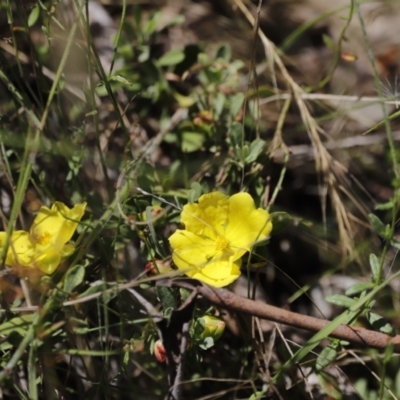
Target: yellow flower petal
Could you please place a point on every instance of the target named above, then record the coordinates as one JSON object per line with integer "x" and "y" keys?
{"x": 208, "y": 217}
{"x": 218, "y": 273}
{"x": 45, "y": 246}
{"x": 48, "y": 261}
{"x": 197, "y": 257}
{"x": 21, "y": 250}
{"x": 55, "y": 227}
{"x": 246, "y": 225}
{"x": 191, "y": 250}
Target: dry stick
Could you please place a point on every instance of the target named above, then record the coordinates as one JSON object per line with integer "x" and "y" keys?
{"x": 224, "y": 298}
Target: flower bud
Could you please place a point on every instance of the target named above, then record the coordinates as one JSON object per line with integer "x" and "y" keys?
{"x": 157, "y": 267}
{"x": 155, "y": 214}
{"x": 208, "y": 326}
{"x": 159, "y": 351}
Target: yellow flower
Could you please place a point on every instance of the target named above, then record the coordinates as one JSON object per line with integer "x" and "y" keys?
{"x": 45, "y": 245}
{"x": 219, "y": 230}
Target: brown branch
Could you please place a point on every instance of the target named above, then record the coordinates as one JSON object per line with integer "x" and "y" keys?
{"x": 224, "y": 298}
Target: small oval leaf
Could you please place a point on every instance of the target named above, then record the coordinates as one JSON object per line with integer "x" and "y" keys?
{"x": 168, "y": 297}
{"x": 171, "y": 57}
{"x": 17, "y": 324}
{"x": 379, "y": 323}
{"x": 378, "y": 225}
{"x": 375, "y": 265}
{"x": 327, "y": 356}
{"x": 33, "y": 16}
{"x": 385, "y": 206}
{"x": 340, "y": 300}
{"x": 257, "y": 146}
{"x": 359, "y": 287}
{"x": 73, "y": 278}
{"x": 395, "y": 244}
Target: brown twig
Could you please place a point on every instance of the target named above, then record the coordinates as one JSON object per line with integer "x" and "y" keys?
{"x": 225, "y": 299}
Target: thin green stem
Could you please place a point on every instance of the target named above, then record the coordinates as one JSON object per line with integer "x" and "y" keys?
{"x": 32, "y": 361}
{"x": 118, "y": 37}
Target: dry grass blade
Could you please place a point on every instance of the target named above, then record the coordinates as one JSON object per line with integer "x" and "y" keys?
{"x": 329, "y": 180}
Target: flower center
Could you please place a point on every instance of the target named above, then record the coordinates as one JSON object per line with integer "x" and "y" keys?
{"x": 222, "y": 244}
{"x": 42, "y": 239}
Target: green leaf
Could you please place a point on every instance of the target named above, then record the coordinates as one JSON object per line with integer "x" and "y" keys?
{"x": 219, "y": 100}
{"x": 196, "y": 190}
{"x": 184, "y": 293}
{"x": 145, "y": 54}
{"x": 361, "y": 387}
{"x": 329, "y": 43}
{"x": 33, "y": 16}
{"x": 207, "y": 343}
{"x": 375, "y": 266}
{"x": 192, "y": 141}
{"x": 17, "y": 324}
{"x": 73, "y": 278}
{"x": 78, "y": 326}
{"x": 235, "y": 134}
{"x": 171, "y": 57}
{"x": 359, "y": 287}
{"x": 203, "y": 59}
{"x": 224, "y": 52}
{"x": 395, "y": 244}
{"x": 389, "y": 350}
{"x": 120, "y": 79}
{"x": 257, "y": 396}
{"x": 256, "y": 148}
{"x": 198, "y": 328}
{"x": 385, "y": 206}
{"x": 152, "y": 23}
{"x": 93, "y": 289}
{"x": 280, "y": 221}
{"x": 327, "y": 356}
{"x": 168, "y": 297}
{"x": 340, "y": 300}
{"x": 379, "y": 323}
{"x": 45, "y": 31}
{"x": 236, "y": 104}
{"x": 177, "y": 20}
{"x": 184, "y": 101}
{"x": 243, "y": 152}
{"x": 378, "y": 225}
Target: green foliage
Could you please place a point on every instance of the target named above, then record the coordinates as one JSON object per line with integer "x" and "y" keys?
{"x": 137, "y": 141}
{"x": 327, "y": 356}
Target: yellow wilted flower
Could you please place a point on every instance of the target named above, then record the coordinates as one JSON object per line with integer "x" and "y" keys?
{"x": 219, "y": 230}
{"x": 45, "y": 245}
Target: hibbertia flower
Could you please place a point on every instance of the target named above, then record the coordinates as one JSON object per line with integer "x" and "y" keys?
{"x": 45, "y": 245}
{"x": 219, "y": 230}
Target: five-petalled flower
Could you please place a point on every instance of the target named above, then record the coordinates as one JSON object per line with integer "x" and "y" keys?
{"x": 219, "y": 230}
{"x": 45, "y": 245}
